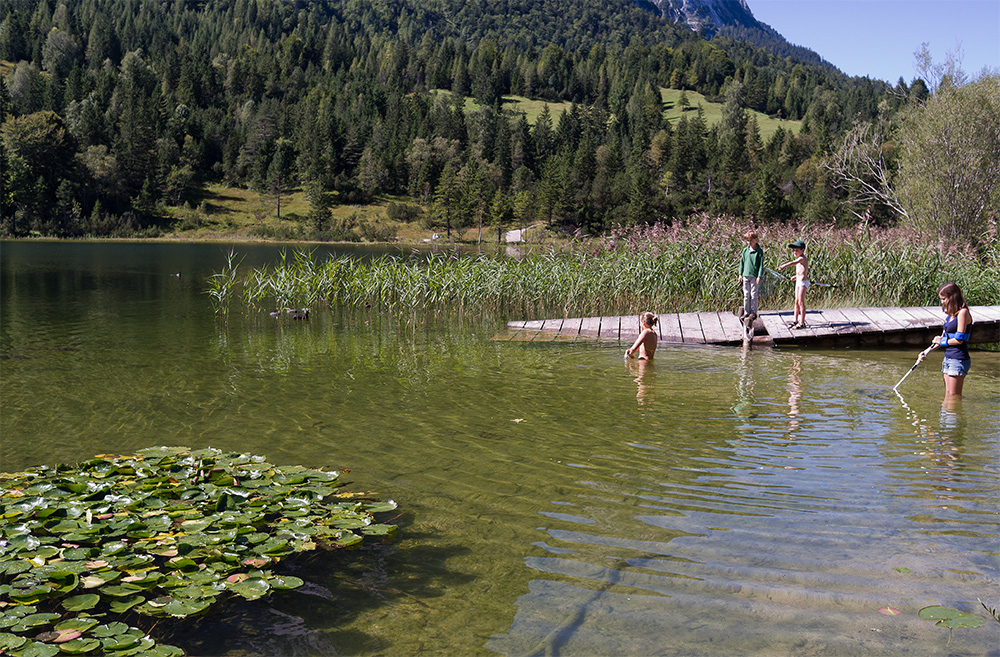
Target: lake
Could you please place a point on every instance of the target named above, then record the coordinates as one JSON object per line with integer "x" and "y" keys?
{"x": 554, "y": 499}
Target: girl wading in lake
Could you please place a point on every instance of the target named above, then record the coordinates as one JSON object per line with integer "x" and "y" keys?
{"x": 954, "y": 339}
{"x": 645, "y": 344}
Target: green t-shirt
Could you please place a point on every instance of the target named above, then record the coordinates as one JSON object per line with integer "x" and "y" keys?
{"x": 752, "y": 261}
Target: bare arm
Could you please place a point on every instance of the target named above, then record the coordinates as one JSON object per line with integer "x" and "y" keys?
{"x": 964, "y": 321}
{"x": 638, "y": 341}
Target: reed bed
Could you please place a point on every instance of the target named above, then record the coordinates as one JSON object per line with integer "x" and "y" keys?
{"x": 680, "y": 268}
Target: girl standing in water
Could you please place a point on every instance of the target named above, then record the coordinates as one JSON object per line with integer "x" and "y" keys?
{"x": 954, "y": 339}
{"x": 645, "y": 344}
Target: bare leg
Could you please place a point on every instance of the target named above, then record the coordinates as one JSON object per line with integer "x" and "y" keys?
{"x": 953, "y": 385}
{"x": 800, "y": 303}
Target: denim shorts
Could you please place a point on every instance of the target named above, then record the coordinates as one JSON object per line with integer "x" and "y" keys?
{"x": 956, "y": 366}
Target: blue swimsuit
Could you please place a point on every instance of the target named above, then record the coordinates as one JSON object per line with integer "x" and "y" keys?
{"x": 956, "y": 357}
{"x": 957, "y": 351}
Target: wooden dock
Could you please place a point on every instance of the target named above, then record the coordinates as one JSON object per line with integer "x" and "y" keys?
{"x": 835, "y": 327}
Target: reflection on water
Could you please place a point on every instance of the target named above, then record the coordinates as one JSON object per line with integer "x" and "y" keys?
{"x": 746, "y": 375}
{"x": 719, "y": 502}
{"x": 644, "y": 372}
{"x": 794, "y": 393}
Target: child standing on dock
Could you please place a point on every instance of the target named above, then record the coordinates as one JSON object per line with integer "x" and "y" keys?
{"x": 645, "y": 344}
{"x": 801, "y": 279}
{"x": 751, "y": 269}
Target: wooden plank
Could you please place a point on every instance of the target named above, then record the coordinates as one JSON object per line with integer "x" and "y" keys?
{"x": 891, "y": 331}
{"x": 572, "y": 325}
{"x": 732, "y": 327}
{"x": 691, "y": 328}
{"x": 711, "y": 327}
{"x": 776, "y": 323}
{"x": 818, "y": 325}
{"x": 923, "y": 325}
{"x": 611, "y": 328}
{"x": 904, "y": 318}
{"x": 918, "y": 329}
{"x": 861, "y": 322}
{"x": 924, "y": 315}
{"x": 882, "y": 319}
{"x": 591, "y": 326}
{"x": 818, "y": 322}
{"x": 670, "y": 328}
{"x": 914, "y": 325}
{"x": 838, "y": 330}
{"x": 811, "y": 331}
{"x": 552, "y": 324}
{"x": 989, "y": 313}
{"x": 837, "y": 323}
{"x": 935, "y": 311}
{"x": 630, "y": 327}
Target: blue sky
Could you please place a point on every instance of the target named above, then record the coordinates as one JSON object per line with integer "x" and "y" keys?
{"x": 877, "y": 38}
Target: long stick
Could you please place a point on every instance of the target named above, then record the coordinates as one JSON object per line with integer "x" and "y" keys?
{"x": 783, "y": 277}
{"x": 906, "y": 375}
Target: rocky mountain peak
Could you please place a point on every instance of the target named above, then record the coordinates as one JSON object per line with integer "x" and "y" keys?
{"x": 707, "y": 15}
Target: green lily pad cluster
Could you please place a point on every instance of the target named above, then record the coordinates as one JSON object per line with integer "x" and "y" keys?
{"x": 950, "y": 618}
{"x": 166, "y": 532}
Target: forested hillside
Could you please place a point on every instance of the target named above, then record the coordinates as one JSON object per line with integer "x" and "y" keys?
{"x": 114, "y": 109}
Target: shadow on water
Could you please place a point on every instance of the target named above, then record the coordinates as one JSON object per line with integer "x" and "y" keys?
{"x": 321, "y": 617}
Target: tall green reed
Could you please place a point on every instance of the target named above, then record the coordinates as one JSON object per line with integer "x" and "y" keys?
{"x": 221, "y": 285}
{"x": 685, "y": 267}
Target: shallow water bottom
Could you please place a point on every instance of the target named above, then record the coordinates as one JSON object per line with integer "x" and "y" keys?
{"x": 553, "y": 498}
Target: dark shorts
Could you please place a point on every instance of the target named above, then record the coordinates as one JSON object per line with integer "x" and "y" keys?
{"x": 956, "y": 366}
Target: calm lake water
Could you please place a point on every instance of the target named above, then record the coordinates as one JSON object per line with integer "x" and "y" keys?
{"x": 554, "y": 499}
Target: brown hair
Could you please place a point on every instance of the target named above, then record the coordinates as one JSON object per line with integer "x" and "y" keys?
{"x": 649, "y": 319}
{"x": 953, "y": 299}
{"x": 749, "y": 234}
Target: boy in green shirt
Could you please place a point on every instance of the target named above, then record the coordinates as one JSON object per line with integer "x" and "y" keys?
{"x": 751, "y": 269}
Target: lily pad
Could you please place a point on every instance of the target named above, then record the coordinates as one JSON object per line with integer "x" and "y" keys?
{"x": 950, "y": 618}
{"x": 158, "y": 533}
{"x": 80, "y": 646}
{"x": 81, "y": 623}
{"x": 31, "y": 595}
{"x": 186, "y": 607}
{"x": 64, "y": 636}
{"x": 121, "y": 605}
{"x": 164, "y": 651}
{"x": 251, "y": 589}
{"x": 117, "y": 643}
{"x": 38, "y": 649}
{"x": 10, "y": 641}
{"x": 38, "y": 620}
{"x": 285, "y": 582}
{"x": 109, "y": 630}
{"x": 81, "y": 602}
{"x": 14, "y": 567}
